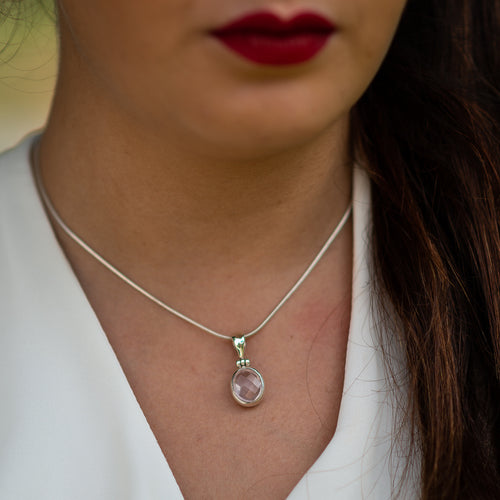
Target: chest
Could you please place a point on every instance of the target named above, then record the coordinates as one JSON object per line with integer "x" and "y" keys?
{"x": 218, "y": 449}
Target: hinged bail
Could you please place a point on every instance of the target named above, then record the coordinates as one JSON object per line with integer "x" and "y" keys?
{"x": 239, "y": 344}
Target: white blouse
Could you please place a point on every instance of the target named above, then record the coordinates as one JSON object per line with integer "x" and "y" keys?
{"x": 70, "y": 425}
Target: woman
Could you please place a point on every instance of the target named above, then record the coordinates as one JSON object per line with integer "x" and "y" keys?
{"x": 207, "y": 149}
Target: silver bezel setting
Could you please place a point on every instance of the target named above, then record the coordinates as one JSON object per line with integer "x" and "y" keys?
{"x": 261, "y": 392}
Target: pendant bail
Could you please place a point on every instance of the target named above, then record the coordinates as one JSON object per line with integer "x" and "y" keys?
{"x": 247, "y": 384}
{"x": 239, "y": 344}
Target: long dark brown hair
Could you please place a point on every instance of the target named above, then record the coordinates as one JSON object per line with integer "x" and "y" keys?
{"x": 428, "y": 132}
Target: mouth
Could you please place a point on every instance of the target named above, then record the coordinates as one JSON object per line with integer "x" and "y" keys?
{"x": 264, "y": 38}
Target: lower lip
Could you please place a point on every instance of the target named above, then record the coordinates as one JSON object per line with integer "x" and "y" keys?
{"x": 293, "y": 48}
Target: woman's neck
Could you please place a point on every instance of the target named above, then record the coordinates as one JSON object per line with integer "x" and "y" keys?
{"x": 103, "y": 173}
{"x": 167, "y": 213}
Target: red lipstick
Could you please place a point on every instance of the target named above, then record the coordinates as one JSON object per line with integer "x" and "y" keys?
{"x": 264, "y": 38}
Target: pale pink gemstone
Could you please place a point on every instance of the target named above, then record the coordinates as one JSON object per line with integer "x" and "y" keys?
{"x": 247, "y": 385}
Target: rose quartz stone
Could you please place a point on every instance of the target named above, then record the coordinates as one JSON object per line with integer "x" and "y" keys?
{"x": 247, "y": 385}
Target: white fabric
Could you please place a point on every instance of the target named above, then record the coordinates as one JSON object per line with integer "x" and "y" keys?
{"x": 70, "y": 426}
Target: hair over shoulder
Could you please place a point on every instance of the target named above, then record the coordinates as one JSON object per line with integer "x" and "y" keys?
{"x": 428, "y": 130}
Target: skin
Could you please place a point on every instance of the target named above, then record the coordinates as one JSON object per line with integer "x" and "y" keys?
{"x": 213, "y": 181}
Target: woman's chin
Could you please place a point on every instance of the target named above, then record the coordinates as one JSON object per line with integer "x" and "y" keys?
{"x": 265, "y": 137}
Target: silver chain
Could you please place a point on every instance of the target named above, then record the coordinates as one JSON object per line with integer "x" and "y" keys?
{"x": 162, "y": 304}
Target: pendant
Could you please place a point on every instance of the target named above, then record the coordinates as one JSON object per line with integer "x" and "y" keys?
{"x": 247, "y": 384}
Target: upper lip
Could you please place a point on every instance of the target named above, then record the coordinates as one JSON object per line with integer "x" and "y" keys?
{"x": 267, "y": 22}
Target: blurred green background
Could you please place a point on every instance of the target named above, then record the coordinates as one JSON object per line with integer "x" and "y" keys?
{"x": 28, "y": 65}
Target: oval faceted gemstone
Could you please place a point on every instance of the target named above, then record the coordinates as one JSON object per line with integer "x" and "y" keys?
{"x": 247, "y": 386}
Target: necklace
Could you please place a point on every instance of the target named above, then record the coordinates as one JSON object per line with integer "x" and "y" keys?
{"x": 247, "y": 384}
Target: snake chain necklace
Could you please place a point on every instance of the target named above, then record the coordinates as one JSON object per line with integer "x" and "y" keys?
{"x": 247, "y": 384}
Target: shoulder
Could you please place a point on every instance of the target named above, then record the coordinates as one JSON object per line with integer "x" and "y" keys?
{"x": 18, "y": 156}
{"x": 15, "y": 171}
{"x": 17, "y": 189}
